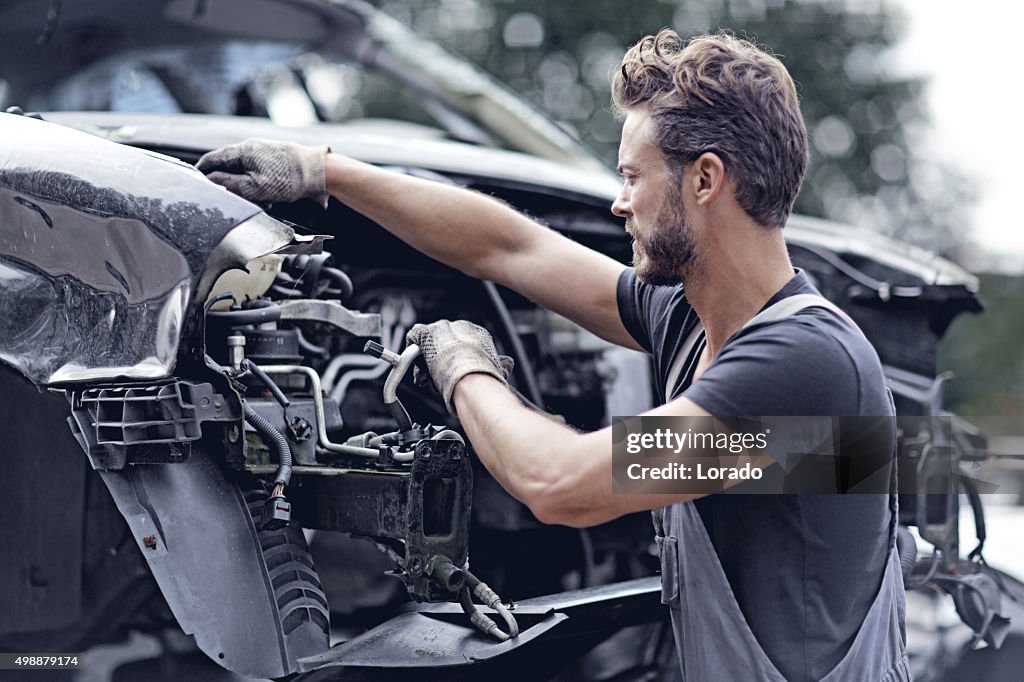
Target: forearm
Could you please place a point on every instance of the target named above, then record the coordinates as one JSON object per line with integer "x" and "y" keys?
{"x": 525, "y": 451}
{"x": 462, "y": 228}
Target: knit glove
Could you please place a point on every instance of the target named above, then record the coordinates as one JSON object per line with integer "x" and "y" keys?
{"x": 452, "y": 350}
{"x": 269, "y": 171}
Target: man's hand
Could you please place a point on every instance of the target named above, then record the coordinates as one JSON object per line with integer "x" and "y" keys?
{"x": 268, "y": 171}
{"x": 454, "y": 349}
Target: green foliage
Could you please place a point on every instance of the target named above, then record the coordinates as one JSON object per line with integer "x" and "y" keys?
{"x": 866, "y": 124}
{"x": 986, "y": 353}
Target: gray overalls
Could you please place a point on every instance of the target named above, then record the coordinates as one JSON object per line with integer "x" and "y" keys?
{"x": 713, "y": 639}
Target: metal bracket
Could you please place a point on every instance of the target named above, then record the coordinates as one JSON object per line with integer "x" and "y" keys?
{"x": 333, "y": 313}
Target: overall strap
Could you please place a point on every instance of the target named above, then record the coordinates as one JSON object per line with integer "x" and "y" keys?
{"x": 777, "y": 311}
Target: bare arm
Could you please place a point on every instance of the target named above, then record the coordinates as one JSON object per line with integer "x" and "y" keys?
{"x": 485, "y": 238}
{"x": 564, "y": 477}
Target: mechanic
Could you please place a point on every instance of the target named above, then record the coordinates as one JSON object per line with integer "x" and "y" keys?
{"x": 713, "y": 151}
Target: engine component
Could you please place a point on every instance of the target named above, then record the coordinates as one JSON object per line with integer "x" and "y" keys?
{"x": 332, "y": 313}
{"x": 400, "y": 365}
{"x": 137, "y": 423}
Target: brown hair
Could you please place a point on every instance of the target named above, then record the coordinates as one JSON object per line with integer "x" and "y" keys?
{"x": 724, "y": 95}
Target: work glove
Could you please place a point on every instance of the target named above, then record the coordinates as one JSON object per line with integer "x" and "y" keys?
{"x": 269, "y": 171}
{"x": 452, "y": 350}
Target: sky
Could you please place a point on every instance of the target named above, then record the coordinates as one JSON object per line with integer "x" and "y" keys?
{"x": 976, "y": 99}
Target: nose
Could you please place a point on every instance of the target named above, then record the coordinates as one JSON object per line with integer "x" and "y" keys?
{"x": 620, "y": 206}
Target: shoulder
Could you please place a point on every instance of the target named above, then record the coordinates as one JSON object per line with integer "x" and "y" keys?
{"x": 810, "y": 363}
{"x": 653, "y": 315}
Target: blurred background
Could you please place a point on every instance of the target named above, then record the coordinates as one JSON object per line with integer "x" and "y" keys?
{"x": 911, "y": 108}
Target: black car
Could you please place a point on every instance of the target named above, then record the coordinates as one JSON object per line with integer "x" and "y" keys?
{"x": 206, "y": 421}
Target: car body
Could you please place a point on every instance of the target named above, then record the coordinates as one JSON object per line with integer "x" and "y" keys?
{"x": 114, "y": 250}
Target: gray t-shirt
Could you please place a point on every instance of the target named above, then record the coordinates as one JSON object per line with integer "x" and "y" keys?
{"x": 797, "y": 563}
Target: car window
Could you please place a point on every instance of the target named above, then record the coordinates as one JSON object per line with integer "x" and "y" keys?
{"x": 284, "y": 81}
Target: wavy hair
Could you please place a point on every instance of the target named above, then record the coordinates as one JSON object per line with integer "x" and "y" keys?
{"x": 721, "y": 94}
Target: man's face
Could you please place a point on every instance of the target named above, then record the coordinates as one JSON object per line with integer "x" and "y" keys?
{"x": 664, "y": 243}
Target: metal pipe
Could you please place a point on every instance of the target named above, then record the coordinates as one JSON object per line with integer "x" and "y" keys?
{"x": 318, "y": 403}
{"x": 398, "y": 411}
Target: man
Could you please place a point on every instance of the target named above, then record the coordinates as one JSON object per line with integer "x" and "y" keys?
{"x": 713, "y": 151}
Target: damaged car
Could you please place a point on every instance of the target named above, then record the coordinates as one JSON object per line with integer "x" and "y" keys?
{"x": 209, "y": 418}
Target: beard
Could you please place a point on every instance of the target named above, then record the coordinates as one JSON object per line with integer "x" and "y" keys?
{"x": 667, "y": 255}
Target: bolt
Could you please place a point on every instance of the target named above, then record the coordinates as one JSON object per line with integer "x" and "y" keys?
{"x": 301, "y": 429}
{"x": 416, "y": 566}
{"x": 204, "y": 401}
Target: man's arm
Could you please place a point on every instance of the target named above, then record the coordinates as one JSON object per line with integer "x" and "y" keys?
{"x": 564, "y": 477}
{"x": 487, "y": 239}
{"x": 469, "y": 231}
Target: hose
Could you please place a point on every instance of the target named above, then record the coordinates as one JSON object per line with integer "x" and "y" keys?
{"x": 523, "y": 364}
{"x": 475, "y": 587}
{"x": 318, "y": 404}
{"x": 275, "y": 390}
{"x": 309, "y": 347}
{"x": 907, "y": 550}
{"x": 884, "y": 290}
{"x": 270, "y": 313}
{"x": 933, "y": 567}
{"x": 979, "y": 515}
{"x": 391, "y": 401}
{"x": 275, "y": 440}
{"x": 343, "y": 281}
{"x": 448, "y": 434}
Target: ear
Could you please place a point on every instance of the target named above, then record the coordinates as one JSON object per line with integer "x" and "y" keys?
{"x": 708, "y": 178}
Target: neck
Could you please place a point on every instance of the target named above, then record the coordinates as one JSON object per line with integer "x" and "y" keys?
{"x": 732, "y": 285}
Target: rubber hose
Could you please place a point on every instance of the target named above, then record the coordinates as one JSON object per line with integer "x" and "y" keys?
{"x": 523, "y": 364}
{"x": 340, "y": 278}
{"x": 274, "y": 389}
{"x": 907, "y": 550}
{"x": 274, "y": 439}
{"x": 270, "y": 313}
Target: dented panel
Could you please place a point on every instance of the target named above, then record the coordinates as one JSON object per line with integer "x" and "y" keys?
{"x": 104, "y": 250}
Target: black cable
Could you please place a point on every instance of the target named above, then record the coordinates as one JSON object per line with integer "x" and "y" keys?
{"x": 267, "y": 313}
{"x": 275, "y": 440}
{"x": 275, "y": 390}
{"x": 980, "y": 532}
{"x": 587, "y": 549}
{"x": 343, "y": 281}
{"x": 523, "y": 364}
{"x": 884, "y": 290}
{"x": 217, "y": 299}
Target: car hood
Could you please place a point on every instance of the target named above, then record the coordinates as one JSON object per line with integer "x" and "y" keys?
{"x": 382, "y": 142}
{"x": 419, "y": 147}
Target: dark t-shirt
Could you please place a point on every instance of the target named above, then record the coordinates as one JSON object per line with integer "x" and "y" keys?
{"x": 797, "y": 563}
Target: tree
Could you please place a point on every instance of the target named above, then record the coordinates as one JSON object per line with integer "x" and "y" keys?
{"x": 866, "y": 124}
